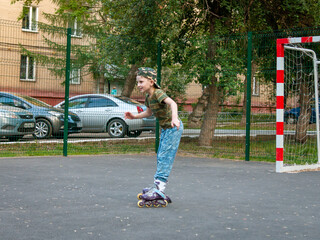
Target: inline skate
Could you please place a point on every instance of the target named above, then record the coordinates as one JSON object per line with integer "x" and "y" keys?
{"x": 154, "y": 196}
{"x": 157, "y": 184}
{"x": 144, "y": 191}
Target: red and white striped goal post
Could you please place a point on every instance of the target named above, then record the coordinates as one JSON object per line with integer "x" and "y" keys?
{"x": 280, "y": 100}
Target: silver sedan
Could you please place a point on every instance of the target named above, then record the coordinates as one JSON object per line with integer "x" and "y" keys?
{"x": 105, "y": 113}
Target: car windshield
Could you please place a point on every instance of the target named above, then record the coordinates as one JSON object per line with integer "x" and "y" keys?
{"x": 128, "y": 100}
{"x": 34, "y": 101}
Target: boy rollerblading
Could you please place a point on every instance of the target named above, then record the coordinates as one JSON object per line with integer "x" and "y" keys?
{"x": 166, "y": 111}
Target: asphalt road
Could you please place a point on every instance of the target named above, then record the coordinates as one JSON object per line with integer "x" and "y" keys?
{"x": 94, "y": 197}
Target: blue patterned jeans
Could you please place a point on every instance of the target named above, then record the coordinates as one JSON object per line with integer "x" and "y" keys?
{"x": 168, "y": 147}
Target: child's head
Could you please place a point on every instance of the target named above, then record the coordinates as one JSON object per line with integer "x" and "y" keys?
{"x": 150, "y": 74}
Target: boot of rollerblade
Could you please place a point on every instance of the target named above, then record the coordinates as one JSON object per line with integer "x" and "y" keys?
{"x": 147, "y": 189}
{"x": 155, "y": 196}
{"x": 156, "y": 184}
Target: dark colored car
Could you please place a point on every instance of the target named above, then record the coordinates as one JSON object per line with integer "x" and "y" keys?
{"x": 15, "y": 122}
{"x": 291, "y": 116}
{"x": 49, "y": 120}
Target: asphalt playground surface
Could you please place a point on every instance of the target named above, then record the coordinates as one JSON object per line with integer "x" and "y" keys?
{"x": 94, "y": 197}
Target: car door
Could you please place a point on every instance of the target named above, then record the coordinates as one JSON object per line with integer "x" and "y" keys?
{"x": 98, "y": 111}
{"x": 78, "y": 106}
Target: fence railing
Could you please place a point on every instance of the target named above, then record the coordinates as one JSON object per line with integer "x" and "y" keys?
{"x": 33, "y": 64}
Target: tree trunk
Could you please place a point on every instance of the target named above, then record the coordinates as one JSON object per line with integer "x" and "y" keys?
{"x": 305, "y": 114}
{"x": 195, "y": 118}
{"x": 130, "y": 81}
{"x": 210, "y": 116}
{"x": 100, "y": 84}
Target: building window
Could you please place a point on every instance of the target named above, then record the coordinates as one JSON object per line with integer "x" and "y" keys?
{"x": 75, "y": 28}
{"x": 75, "y": 76}
{"x": 29, "y": 21}
{"x": 27, "y": 68}
{"x": 255, "y": 87}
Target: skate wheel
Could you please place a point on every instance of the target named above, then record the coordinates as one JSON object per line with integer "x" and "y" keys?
{"x": 165, "y": 203}
{"x": 148, "y": 204}
{"x": 140, "y": 204}
{"x": 139, "y": 196}
{"x": 156, "y": 205}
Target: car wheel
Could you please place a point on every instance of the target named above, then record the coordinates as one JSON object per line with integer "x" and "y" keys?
{"x": 117, "y": 128}
{"x": 14, "y": 138}
{"x": 135, "y": 133}
{"x": 291, "y": 119}
{"x": 43, "y": 129}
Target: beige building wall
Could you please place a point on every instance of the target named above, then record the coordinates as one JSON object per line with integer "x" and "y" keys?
{"x": 49, "y": 87}
{"x": 12, "y": 11}
{"x": 46, "y": 86}
{"x": 194, "y": 91}
{"x": 262, "y": 98}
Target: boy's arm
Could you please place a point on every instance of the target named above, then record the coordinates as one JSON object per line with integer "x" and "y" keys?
{"x": 174, "y": 109}
{"x": 145, "y": 114}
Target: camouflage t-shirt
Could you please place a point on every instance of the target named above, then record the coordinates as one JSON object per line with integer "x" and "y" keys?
{"x": 160, "y": 109}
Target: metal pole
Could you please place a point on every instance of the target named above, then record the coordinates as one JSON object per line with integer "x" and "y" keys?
{"x": 158, "y": 82}
{"x": 315, "y": 66}
{"x": 66, "y": 101}
{"x": 248, "y": 100}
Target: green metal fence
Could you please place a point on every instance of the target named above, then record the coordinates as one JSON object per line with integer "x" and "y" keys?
{"x": 54, "y": 64}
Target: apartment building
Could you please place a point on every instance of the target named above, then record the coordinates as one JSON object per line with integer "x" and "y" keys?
{"x": 20, "y": 73}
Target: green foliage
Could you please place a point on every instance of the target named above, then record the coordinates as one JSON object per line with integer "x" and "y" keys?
{"x": 174, "y": 81}
{"x": 193, "y": 33}
{"x": 226, "y": 64}
{"x": 120, "y": 35}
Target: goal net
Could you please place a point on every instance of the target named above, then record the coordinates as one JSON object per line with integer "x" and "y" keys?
{"x": 297, "y": 139}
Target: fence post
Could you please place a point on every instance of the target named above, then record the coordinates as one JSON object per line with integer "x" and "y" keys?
{"x": 66, "y": 97}
{"x": 158, "y": 82}
{"x": 248, "y": 100}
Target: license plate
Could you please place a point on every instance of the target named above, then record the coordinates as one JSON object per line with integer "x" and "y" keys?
{"x": 29, "y": 125}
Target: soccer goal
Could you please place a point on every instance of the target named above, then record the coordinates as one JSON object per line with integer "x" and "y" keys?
{"x": 297, "y": 134}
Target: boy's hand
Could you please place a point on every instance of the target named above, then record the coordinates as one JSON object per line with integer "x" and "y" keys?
{"x": 175, "y": 122}
{"x": 128, "y": 115}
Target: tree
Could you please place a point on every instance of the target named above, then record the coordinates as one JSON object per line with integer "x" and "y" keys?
{"x": 242, "y": 16}
{"x": 214, "y": 58}
{"x": 203, "y": 40}
{"x": 195, "y": 118}
{"x": 124, "y": 35}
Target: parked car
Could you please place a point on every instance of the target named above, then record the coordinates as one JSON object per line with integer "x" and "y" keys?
{"x": 15, "y": 122}
{"x": 49, "y": 120}
{"x": 105, "y": 113}
{"x": 291, "y": 116}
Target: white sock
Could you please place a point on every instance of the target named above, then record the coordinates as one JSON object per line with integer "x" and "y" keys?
{"x": 161, "y": 185}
